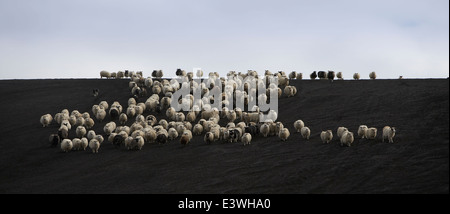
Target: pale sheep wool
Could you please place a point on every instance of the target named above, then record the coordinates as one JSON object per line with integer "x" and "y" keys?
{"x": 246, "y": 139}
{"x": 46, "y": 120}
{"x": 94, "y": 145}
{"x": 347, "y": 138}
{"x": 326, "y": 136}
{"x": 284, "y": 134}
{"x": 298, "y": 125}
{"x": 306, "y": 132}
{"x": 66, "y": 145}
{"x": 362, "y": 131}
{"x": 388, "y": 133}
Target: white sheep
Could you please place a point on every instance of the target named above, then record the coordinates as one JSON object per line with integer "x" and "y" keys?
{"x": 179, "y": 117}
{"x": 46, "y": 119}
{"x": 264, "y": 129}
{"x": 109, "y": 128}
{"x": 173, "y": 133}
{"x": 347, "y": 138}
{"x": 76, "y": 144}
{"x": 356, "y": 76}
{"x": 290, "y": 91}
{"x": 341, "y": 131}
{"x": 105, "y": 74}
{"x": 284, "y": 134}
{"x": 198, "y": 129}
{"x": 326, "y": 136}
{"x": 123, "y": 118}
{"x": 131, "y": 111}
{"x": 373, "y": 75}
{"x": 362, "y": 131}
{"x": 80, "y": 121}
{"x": 101, "y": 114}
{"x": 99, "y": 138}
{"x": 66, "y": 145}
{"x": 306, "y": 132}
{"x": 80, "y": 131}
{"x": 231, "y": 116}
{"x": 128, "y": 142}
{"x": 371, "y": 133}
{"x": 388, "y": 133}
{"x": 104, "y": 105}
{"x": 246, "y": 139}
{"x": 94, "y": 145}
{"x": 84, "y": 143}
{"x": 149, "y": 135}
{"x": 298, "y": 125}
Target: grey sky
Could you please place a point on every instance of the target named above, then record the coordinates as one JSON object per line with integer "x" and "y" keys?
{"x": 77, "y": 39}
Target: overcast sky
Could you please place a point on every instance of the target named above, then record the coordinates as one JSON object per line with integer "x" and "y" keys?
{"x": 77, "y": 39}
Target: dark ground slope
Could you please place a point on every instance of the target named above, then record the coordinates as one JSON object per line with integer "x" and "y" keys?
{"x": 418, "y": 161}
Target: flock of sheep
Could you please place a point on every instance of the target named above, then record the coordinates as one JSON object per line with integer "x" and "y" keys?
{"x": 201, "y": 119}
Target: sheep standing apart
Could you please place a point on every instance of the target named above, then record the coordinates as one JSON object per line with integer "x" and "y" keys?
{"x": 46, "y": 120}
{"x": 356, "y": 76}
{"x": 371, "y": 133}
{"x": 284, "y": 134}
{"x": 389, "y": 133}
{"x": 66, "y": 145}
{"x": 246, "y": 139}
{"x": 326, "y": 136}
{"x": 340, "y": 131}
{"x": 80, "y": 131}
{"x": 306, "y": 132}
{"x": 299, "y": 76}
{"x": 94, "y": 145}
{"x": 362, "y": 131}
{"x": 373, "y": 75}
{"x": 298, "y": 125}
{"x": 347, "y": 138}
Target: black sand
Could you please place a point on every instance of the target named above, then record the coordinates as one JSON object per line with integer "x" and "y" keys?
{"x": 418, "y": 161}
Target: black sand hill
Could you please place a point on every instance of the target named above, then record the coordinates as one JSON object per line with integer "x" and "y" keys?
{"x": 418, "y": 161}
